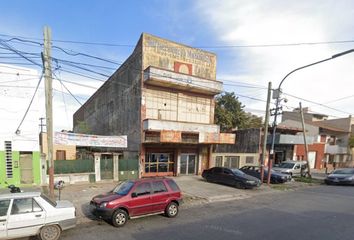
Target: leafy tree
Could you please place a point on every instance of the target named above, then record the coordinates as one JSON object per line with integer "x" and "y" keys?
{"x": 230, "y": 114}
{"x": 351, "y": 142}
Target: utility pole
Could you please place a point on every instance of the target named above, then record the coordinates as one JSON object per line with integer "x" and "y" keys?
{"x": 41, "y": 125}
{"x": 47, "y": 62}
{"x": 305, "y": 142}
{"x": 266, "y": 123}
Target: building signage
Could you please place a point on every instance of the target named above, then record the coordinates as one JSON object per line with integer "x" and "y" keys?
{"x": 76, "y": 139}
{"x": 170, "y": 136}
{"x": 217, "y": 138}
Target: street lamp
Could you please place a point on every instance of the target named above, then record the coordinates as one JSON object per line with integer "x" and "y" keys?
{"x": 277, "y": 95}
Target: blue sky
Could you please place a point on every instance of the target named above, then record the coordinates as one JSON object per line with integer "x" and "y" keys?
{"x": 207, "y": 23}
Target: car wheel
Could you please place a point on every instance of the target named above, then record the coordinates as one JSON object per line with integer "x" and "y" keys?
{"x": 119, "y": 218}
{"x": 171, "y": 210}
{"x": 239, "y": 185}
{"x": 50, "y": 232}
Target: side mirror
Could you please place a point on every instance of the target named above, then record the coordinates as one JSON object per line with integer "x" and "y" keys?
{"x": 134, "y": 195}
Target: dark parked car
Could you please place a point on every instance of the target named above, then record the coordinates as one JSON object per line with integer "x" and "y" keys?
{"x": 343, "y": 176}
{"x": 232, "y": 177}
{"x": 275, "y": 177}
{"x": 136, "y": 198}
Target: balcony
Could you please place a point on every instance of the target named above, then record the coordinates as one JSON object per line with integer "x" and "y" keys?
{"x": 335, "y": 149}
{"x": 158, "y": 131}
{"x": 290, "y": 139}
{"x": 165, "y": 78}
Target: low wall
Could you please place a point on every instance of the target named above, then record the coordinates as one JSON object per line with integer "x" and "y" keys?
{"x": 72, "y": 178}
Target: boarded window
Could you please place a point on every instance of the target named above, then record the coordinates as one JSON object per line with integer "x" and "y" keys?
{"x": 250, "y": 160}
{"x": 60, "y": 155}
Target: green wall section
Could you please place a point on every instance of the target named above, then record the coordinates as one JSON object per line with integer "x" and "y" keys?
{"x": 16, "y": 170}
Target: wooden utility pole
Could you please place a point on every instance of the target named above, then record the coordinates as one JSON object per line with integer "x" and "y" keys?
{"x": 305, "y": 142}
{"x": 265, "y": 132}
{"x": 47, "y": 62}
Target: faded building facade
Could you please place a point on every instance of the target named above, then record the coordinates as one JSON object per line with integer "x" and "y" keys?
{"x": 162, "y": 98}
{"x": 330, "y": 146}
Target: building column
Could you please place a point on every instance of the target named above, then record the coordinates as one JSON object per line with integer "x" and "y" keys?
{"x": 178, "y": 165}
{"x": 116, "y": 166}
{"x": 97, "y": 157}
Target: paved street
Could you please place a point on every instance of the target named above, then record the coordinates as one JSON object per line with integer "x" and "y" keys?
{"x": 320, "y": 212}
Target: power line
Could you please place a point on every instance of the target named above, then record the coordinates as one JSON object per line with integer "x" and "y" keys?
{"x": 29, "y": 105}
{"x": 262, "y": 45}
{"x": 319, "y": 104}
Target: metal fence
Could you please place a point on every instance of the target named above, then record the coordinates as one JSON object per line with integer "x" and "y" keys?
{"x": 73, "y": 166}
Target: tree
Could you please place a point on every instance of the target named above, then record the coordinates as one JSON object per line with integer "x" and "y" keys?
{"x": 229, "y": 114}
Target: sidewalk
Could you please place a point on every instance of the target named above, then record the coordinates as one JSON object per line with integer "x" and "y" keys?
{"x": 195, "y": 191}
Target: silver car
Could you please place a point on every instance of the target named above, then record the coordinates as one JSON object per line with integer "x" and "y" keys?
{"x": 293, "y": 168}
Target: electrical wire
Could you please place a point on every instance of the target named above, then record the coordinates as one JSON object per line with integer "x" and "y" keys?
{"x": 29, "y": 105}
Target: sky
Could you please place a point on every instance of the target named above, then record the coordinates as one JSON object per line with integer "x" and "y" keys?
{"x": 256, "y": 42}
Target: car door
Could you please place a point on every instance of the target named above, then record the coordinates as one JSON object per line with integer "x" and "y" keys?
{"x": 25, "y": 219}
{"x": 297, "y": 169}
{"x": 160, "y": 196}
{"x": 4, "y": 211}
{"x": 141, "y": 202}
{"x": 228, "y": 177}
{"x": 216, "y": 175}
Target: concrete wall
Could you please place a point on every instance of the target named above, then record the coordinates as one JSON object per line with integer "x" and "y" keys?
{"x": 115, "y": 108}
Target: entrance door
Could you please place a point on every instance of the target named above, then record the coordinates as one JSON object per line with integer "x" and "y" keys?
{"x": 106, "y": 166}
{"x": 312, "y": 159}
{"x": 188, "y": 164}
{"x": 26, "y": 168}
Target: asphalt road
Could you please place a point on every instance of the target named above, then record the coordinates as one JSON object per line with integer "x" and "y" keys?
{"x": 321, "y": 212}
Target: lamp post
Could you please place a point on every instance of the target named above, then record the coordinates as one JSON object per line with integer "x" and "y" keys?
{"x": 277, "y": 94}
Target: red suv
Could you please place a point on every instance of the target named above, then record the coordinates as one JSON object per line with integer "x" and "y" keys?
{"x": 136, "y": 198}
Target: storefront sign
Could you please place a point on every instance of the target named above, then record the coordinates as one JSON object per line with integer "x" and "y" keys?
{"x": 76, "y": 139}
{"x": 170, "y": 136}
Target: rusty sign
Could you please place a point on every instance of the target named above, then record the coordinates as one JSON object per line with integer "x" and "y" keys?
{"x": 170, "y": 136}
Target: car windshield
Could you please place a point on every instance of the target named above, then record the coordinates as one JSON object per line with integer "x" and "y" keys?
{"x": 123, "y": 188}
{"x": 237, "y": 171}
{"x": 286, "y": 165}
{"x": 344, "y": 171}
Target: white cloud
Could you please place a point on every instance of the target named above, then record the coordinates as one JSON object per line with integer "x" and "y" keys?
{"x": 278, "y": 22}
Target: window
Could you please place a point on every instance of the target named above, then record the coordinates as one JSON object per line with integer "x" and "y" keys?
{"x": 217, "y": 170}
{"x": 60, "y": 155}
{"x": 218, "y": 161}
{"x": 8, "y": 158}
{"x": 173, "y": 185}
{"x": 4, "y": 206}
{"x": 143, "y": 189}
{"x": 232, "y": 162}
{"x": 25, "y": 205}
{"x": 159, "y": 162}
{"x": 158, "y": 187}
{"x": 249, "y": 160}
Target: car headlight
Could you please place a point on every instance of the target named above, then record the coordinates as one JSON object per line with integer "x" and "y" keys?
{"x": 349, "y": 178}
{"x": 103, "y": 205}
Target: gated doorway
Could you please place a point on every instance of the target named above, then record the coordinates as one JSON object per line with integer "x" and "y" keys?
{"x": 106, "y": 166}
{"x": 26, "y": 168}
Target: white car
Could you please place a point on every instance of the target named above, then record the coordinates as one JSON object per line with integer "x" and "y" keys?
{"x": 28, "y": 214}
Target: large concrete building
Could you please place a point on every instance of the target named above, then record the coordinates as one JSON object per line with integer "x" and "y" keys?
{"x": 162, "y": 98}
